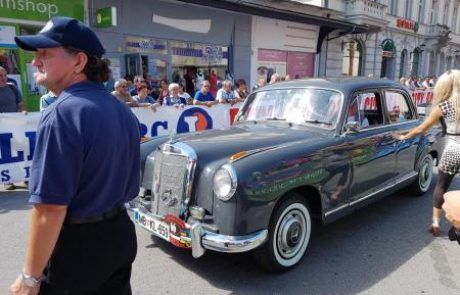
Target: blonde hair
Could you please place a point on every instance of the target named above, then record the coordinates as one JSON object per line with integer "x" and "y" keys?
{"x": 448, "y": 87}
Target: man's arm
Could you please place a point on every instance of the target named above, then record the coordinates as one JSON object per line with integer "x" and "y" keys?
{"x": 45, "y": 226}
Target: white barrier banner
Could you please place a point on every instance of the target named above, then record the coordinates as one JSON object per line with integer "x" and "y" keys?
{"x": 18, "y": 132}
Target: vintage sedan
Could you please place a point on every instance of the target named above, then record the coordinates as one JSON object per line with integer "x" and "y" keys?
{"x": 298, "y": 150}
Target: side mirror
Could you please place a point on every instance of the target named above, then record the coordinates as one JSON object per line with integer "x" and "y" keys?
{"x": 352, "y": 126}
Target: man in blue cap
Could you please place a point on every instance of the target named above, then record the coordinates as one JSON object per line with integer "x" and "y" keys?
{"x": 85, "y": 167}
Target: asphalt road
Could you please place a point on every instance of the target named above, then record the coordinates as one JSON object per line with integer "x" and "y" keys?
{"x": 382, "y": 249}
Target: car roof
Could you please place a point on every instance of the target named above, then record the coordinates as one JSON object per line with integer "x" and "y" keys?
{"x": 342, "y": 84}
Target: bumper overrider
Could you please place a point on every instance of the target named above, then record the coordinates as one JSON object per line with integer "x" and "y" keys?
{"x": 195, "y": 236}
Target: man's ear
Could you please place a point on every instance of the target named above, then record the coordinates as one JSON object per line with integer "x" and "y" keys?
{"x": 81, "y": 61}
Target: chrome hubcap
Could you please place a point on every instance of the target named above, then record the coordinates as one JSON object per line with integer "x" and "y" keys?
{"x": 425, "y": 174}
{"x": 291, "y": 234}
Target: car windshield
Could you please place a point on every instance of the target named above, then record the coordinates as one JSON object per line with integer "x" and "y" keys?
{"x": 298, "y": 106}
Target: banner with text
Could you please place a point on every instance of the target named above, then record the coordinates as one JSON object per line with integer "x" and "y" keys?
{"x": 18, "y": 132}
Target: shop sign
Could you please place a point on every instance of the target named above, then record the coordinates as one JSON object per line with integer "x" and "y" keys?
{"x": 195, "y": 54}
{"x": 106, "y": 17}
{"x": 407, "y": 24}
{"x": 41, "y": 10}
{"x": 146, "y": 45}
{"x": 7, "y": 34}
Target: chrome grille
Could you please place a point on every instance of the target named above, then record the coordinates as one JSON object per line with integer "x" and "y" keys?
{"x": 173, "y": 168}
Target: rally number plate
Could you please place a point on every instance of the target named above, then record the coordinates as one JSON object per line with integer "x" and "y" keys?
{"x": 152, "y": 224}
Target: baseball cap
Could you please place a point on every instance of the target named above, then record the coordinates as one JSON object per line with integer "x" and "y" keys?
{"x": 63, "y": 31}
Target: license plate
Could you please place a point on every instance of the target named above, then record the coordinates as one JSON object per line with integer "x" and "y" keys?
{"x": 152, "y": 224}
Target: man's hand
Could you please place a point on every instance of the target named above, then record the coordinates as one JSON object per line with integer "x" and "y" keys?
{"x": 452, "y": 207}
{"x": 19, "y": 288}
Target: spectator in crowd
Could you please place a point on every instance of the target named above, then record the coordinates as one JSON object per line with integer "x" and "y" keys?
{"x": 189, "y": 84}
{"x": 81, "y": 241}
{"x": 446, "y": 102}
{"x": 213, "y": 78}
{"x": 138, "y": 80}
{"x": 426, "y": 83}
{"x": 10, "y": 97}
{"x": 47, "y": 99}
{"x": 10, "y": 102}
{"x": 121, "y": 92}
{"x": 402, "y": 81}
{"x": 260, "y": 83}
{"x": 226, "y": 93}
{"x": 164, "y": 90}
{"x": 204, "y": 97}
{"x": 185, "y": 95}
{"x": 174, "y": 98}
{"x": 241, "y": 89}
{"x": 143, "y": 99}
{"x": 275, "y": 78}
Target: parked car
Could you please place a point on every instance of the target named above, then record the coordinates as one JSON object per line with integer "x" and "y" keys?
{"x": 298, "y": 150}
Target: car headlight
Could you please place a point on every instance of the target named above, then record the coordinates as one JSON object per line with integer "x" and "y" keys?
{"x": 225, "y": 182}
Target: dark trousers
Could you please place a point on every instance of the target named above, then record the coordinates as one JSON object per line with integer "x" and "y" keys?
{"x": 93, "y": 258}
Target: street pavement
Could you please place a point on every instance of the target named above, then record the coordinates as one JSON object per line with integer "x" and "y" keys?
{"x": 384, "y": 248}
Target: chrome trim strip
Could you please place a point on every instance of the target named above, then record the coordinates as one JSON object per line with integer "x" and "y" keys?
{"x": 400, "y": 180}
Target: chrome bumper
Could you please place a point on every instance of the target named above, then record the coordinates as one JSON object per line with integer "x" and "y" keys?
{"x": 202, "y": 240}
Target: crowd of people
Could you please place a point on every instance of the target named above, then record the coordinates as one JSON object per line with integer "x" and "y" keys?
{"x": 418, "y": 83}
{"x": 140, "y": 92}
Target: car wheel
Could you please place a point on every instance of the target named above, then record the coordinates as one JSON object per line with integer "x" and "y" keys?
{"x": 289, "y": 235}
{"x": 425, "y": 175}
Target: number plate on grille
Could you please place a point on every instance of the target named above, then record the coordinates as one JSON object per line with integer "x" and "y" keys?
{"x": 152, "y": 224}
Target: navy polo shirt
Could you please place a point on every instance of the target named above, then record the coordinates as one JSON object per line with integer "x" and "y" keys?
{"x": 87, "y": 153}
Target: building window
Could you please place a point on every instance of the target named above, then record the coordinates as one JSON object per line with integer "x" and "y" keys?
{"x": 434, "y": 6}
{"x": 445, "y": 15}
{"x": 394, "y": 7}
{"x": 408, "y": 12}
{"x": 415, "y": 62}
{"x": 454, "y": 18}
{"x": 420, "y": 11}
{"x": 352, "y": 58}
{"x": 403, "y": 64}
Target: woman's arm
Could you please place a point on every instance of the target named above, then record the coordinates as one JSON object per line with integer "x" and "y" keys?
{"x": 432, "y": 119}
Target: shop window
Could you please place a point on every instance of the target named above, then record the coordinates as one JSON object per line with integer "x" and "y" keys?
{"x": 352, "y": 58}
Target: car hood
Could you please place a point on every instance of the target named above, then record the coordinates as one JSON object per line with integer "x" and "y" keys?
{"x": 217, "y": 144}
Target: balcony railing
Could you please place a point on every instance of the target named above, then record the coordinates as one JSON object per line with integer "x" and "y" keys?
{"x": 373, "y": 9}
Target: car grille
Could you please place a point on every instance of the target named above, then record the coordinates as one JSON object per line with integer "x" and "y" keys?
{"x": 173, "y": 169}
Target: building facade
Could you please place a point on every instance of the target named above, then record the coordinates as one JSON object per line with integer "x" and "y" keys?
{"x": 415, "y": 38}
{"x": 250, "y": 40}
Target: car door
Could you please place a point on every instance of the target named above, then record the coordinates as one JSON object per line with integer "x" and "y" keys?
{"x": 400, "y": 116}
{"x": 372, "y": 148}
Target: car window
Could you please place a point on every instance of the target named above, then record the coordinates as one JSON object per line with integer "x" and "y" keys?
{"x": 308, "y": 106}
{"x": 397, "y": 108}
{"x": 365, "y": 108}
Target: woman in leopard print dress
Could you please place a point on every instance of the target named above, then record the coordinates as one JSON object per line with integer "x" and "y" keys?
{"x": 446, "y": 105}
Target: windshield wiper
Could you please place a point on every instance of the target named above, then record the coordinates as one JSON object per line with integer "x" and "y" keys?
{"x": 318, "y": 122}
{"x": 275, "y": 119}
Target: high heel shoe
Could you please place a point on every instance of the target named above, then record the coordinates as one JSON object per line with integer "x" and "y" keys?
{"x": 435, "y": 230}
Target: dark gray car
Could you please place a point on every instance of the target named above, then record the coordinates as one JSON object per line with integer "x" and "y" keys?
{"x": 298, "y": 150}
